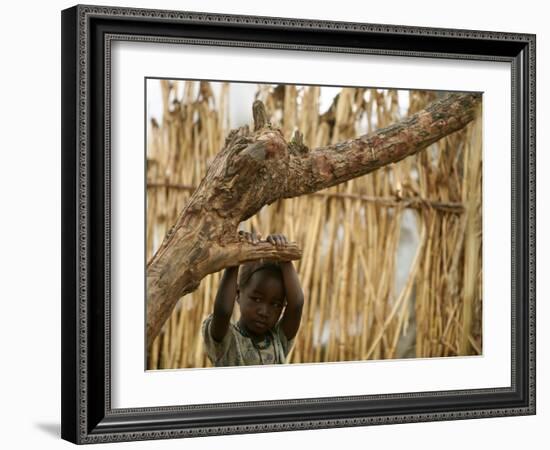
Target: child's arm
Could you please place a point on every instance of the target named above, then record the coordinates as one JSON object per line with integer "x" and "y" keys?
{"x": 223, "y": 305}
{"x": 294, "y": 300}
{"x": 294, "y": 295}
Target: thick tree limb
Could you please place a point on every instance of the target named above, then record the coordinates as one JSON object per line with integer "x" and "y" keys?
{"x": 257, "y": 168}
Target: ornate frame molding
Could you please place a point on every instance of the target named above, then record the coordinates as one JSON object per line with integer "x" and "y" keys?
{"x": 84, "y": 421}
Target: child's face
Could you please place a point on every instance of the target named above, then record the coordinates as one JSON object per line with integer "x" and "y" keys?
{"x": 261, "y": 302}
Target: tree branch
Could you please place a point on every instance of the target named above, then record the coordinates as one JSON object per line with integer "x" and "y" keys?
{"x": 335, "y": 164}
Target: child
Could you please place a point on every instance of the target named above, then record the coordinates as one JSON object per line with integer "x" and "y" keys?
{"x": 259, "y": 337}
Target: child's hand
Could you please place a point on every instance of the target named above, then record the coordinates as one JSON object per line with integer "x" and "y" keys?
{"x": 279, "y": 240}
{"x": 251, "y": 238}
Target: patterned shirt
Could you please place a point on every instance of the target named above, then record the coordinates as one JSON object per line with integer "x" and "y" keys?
{"x": 236, "y": 349}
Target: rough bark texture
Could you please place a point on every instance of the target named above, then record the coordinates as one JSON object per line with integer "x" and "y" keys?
{"x": 259, "y": 167}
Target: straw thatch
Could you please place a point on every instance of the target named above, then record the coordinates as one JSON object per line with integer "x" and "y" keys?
{"x": 391, "y": 263}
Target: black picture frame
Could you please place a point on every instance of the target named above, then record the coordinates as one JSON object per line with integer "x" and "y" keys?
{"x": 87, "y": 416}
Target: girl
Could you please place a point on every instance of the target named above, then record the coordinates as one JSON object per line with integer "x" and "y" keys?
{"x": 263, "y": 290}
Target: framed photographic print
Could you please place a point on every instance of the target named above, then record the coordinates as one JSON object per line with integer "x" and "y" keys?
{"x": 280, "y": 224}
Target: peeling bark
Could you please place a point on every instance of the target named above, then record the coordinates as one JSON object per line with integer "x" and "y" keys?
{"x": 256, "y": 168}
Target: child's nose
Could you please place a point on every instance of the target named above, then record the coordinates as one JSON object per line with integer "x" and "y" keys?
{"x": 262, "y": 310}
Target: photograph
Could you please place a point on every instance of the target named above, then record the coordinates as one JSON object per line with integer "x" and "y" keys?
{"x": 305, "y": 224}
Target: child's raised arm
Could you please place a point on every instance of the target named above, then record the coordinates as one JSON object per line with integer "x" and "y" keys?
{"x": 223, "y": 305}
{"x": 294, "y": 295}
{"x": 294, "y": 300}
